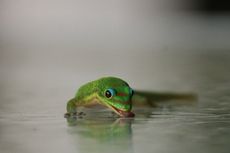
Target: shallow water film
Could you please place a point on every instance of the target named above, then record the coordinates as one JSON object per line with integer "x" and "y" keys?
{"x": 34, "y": 95}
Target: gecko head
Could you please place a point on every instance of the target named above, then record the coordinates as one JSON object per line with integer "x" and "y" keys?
{"x": 117, "y": 95}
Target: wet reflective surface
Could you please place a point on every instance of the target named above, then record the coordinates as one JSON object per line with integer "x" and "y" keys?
{"x": 33, "y": 105}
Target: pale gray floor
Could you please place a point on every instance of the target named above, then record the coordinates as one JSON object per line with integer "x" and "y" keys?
{"x": 34, "y": 94}
{"x": 49, "y": 48}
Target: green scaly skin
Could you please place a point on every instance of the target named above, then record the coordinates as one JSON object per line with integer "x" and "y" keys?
{"x": 94, "y": 93}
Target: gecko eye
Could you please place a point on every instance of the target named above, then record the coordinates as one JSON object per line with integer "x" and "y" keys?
{"x": 110, "y": 93}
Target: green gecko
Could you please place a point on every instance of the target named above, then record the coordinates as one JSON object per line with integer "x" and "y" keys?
{"x": 117, "y": 95}
{"x": 111, "y": 92}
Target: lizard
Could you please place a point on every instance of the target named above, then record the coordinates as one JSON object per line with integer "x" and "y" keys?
{"x": 115, "y": 94}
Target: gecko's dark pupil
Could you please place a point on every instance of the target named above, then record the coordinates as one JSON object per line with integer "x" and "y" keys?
{"x": 108, "y": 94}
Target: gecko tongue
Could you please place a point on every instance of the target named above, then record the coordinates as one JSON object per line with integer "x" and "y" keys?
{"x": 130, "y": 114}
{"x": 126, "y": 114}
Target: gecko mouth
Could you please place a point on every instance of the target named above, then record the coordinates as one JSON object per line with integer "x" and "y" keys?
{"x": 123, "y": 113}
